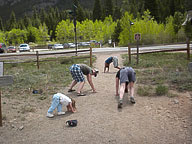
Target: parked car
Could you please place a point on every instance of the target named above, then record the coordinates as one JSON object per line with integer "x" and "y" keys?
{"x": 50, "y": 46}
{"x": 24, "y": 47}
{"x": 71, "y": 45}
{"x": 84, "y": 44}
{"x": 68, "y": 45}
{"x": 57, "y": 46}
{"x": 95, "y": 42}
{"x": 11, "y": 49}
{"x": 2, "y": 47}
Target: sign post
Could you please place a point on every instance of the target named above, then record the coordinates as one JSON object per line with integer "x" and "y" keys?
{"x": 137, "y": 38}
{"x": 1, "y": 69}
{"x": 4, "y": 80}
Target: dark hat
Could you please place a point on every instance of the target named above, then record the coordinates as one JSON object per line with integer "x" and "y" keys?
{"x": 96, "y": 72}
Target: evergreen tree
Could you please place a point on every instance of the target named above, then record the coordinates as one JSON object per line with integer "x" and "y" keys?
{"x": 21, "y": 24}
{"x": 117, "y": 13}
{"x": 12, "y": 21}
{"x": 108, "y": 8}
{"x": 188, "y": 5}
{"x": 97, "y": 11}
{"x": 27, "y": 21}
{"x": 35, "y": 19}
{"x": 43, "y": 15}
{"x": 1, "y": 25}
{"x": 116, "y": 34}
{"x": 152, "y": 6}
{"x": 172, "y": 7}
{"x": 80, "y": 15}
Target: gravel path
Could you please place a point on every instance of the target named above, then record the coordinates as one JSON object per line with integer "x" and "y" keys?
{"x": 152, "y": 120}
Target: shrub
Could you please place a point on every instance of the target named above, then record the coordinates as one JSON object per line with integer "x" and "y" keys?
{"x": 161, "y": 90}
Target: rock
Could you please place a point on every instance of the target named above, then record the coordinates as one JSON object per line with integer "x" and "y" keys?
{"x": 176, "y": 101}
{"x": 21, "y": 127}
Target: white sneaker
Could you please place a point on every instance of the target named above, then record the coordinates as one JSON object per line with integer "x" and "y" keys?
{"x": 50, "y": 115}
{"x": 60, "y": 113}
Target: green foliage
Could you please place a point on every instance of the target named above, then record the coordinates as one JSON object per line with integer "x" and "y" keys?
{"x": 169, "y": 30}
{"x": 117, "y": 31}
{"x": 188, "y": 29}
{"x": 16, "y": 36}
{"x": 2, "y": 37}
{"x": 64, "y": 31}
{"x": 43, "y": 34}
{"x": 161, "y": 90}
{"x": 1, "y": 25}
{"x": 145, "y": 90}
{"x": 108, "y": 8}
{"x": 177, "y": 21}
{"x": 97, "y": 11}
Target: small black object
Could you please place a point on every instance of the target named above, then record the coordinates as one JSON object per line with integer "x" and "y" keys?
{"x": 35, "y": 91}
{"x": 71, "y": 123}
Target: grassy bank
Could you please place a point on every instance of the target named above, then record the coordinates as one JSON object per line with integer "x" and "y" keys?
{"x": 52, "y": 76}
{"x": 159, "y": 73}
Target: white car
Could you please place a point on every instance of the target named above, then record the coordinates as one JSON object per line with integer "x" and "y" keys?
{"x": 57, "y": 46}
{"x": 24, "y": 47}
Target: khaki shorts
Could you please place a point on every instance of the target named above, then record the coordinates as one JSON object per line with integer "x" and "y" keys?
{"x": 115, "y": 62}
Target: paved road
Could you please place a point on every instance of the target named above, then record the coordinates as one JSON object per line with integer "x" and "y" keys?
{"x": 106, "y": 49}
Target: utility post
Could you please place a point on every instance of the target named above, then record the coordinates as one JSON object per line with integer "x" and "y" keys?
{"x": 129, "y": 46}
{"x": 75, "y": 27}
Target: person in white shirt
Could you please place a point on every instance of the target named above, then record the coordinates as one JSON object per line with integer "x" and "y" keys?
{"x": 58, "y": 101}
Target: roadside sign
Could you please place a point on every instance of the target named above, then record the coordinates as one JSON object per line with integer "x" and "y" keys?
{"x": 137, "y": 36}
{"x": 1, "y": 68}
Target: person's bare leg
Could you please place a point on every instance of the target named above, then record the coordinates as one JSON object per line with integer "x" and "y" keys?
{"x": 80, "y": 87}
{"x": 131, "y": 87}
{"x": 122, "y": 91}
{"x": 73, "y": 83}
{"x": 117, "y": 86}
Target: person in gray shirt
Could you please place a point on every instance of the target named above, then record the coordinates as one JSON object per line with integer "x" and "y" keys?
{"x": 127, "y": 75}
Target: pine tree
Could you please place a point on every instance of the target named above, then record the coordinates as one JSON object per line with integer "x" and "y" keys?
{"x": 27, "y": 21}
{"x": 80, "y": 13}
{"x": 12, "y": 21}
{"x": 1, "y": 24}
{"x": 43, "y": 15}
{"x": 151, "y": 5}
{"x": 116, "y": 34}
{"x": 188, "y": 5}
{"x": 97, "y": 11}
{"x": 108, "y": 8}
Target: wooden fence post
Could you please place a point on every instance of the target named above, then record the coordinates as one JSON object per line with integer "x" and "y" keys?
{"x": 129, "y": 53}
{"x": 37, "y": 54}
{"x": 0, "y": 111}
{"x": 90, "y": 56}
{"x": 188, "y": 48}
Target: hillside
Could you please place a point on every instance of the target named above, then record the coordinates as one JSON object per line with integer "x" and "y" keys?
{"x": 26, "y": 6}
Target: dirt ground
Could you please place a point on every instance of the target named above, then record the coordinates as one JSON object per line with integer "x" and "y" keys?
{"x": 152, "y": 120}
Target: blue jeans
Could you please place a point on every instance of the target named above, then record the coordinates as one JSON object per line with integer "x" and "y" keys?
{"x": 55, "y": 104}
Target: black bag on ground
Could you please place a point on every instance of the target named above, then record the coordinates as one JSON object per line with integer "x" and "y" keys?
{"x": 71, "y": 123}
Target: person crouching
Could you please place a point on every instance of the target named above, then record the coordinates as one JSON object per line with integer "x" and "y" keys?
{"x": 58, "y": 101}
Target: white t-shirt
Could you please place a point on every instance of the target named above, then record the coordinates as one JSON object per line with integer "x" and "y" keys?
{"x": 64, "y": 99}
